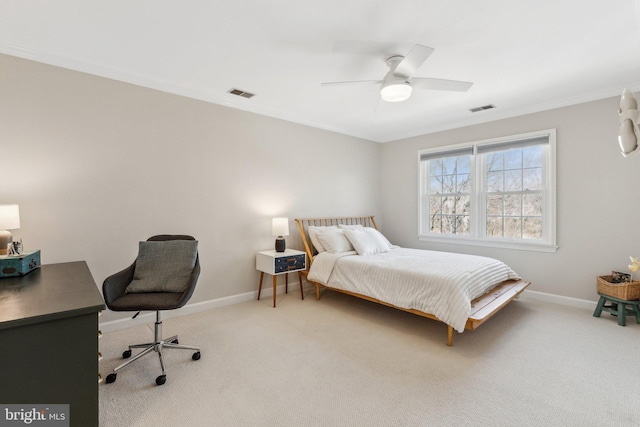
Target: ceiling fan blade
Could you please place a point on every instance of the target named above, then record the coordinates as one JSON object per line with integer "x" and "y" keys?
{"x": 414, "y": 59}
{"x": 355, "y": 82}
{"x": 439, "y": 84}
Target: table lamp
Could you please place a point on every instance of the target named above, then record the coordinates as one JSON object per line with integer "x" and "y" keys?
{"x": 9, "y": 220}
{"x": 280, "y": 228}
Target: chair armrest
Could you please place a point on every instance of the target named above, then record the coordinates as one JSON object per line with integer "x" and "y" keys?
{"x": 186, "y": 296}
{"x": 115, "y": 285}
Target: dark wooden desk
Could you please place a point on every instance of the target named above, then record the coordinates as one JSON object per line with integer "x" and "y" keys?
{"x": 49, "y": 339}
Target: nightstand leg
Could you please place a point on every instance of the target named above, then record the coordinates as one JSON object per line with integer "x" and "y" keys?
{"x": 275, "y": 281}
{"x": 260, "y": 287}
{"x": 286, "y": 283}
{"x": 300, "y": 280}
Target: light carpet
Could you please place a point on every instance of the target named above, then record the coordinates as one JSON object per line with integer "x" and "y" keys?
{"x": 342, "y": 361}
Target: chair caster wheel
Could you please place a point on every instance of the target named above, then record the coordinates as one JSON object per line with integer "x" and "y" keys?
{"x": 196, "y": 356}
{"x": 126, "y": 354}
{"x": 111, "y": 378}
{"x": 161, "y": 379}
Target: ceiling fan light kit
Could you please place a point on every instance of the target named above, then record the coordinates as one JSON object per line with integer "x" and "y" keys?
{"x": 399, "y": 82}
{"x": 395, "y": 91}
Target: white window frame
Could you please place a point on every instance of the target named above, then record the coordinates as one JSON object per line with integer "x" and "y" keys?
{"x": 477, "y": 237}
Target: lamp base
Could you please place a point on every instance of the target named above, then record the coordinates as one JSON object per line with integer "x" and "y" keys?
{"x": 5, "y": 240}
{"x": 281, "y": 244}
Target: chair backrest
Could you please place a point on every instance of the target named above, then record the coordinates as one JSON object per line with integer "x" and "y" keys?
{"x": 114, "y": 287}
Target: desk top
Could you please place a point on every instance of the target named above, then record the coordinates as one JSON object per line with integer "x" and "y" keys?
{"x": 54, "y": 291}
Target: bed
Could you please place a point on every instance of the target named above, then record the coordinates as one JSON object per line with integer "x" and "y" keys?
{"x": 350, "y": 255}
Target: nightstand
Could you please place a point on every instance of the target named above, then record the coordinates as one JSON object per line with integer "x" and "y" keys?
{"x": 277, "y": 263}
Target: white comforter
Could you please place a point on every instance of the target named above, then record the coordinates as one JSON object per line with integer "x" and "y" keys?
{"x": 440, "y": 283}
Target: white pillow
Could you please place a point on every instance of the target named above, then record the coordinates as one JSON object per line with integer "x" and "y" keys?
{"x": 334, "y": 241}
{"x": 350, "y": 227}
{"x": 314, "y": 231}
{"x": 367, "y": 241}
{"x": 164, "y": 266}
{"x": 383, "y": 237}
{"x": 360, "y": 226}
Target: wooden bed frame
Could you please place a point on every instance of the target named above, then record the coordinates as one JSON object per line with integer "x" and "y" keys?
{"x": 482, "y": 308}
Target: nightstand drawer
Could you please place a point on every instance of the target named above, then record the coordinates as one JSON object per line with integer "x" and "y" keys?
{"x": 289, "y": 263}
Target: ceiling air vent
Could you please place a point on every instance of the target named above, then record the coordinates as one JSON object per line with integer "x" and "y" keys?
{"x": 484, "y": 107}
{"x": 241, "y": 93}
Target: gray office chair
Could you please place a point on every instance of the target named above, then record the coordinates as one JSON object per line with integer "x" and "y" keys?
{"x": 157, "y": 263}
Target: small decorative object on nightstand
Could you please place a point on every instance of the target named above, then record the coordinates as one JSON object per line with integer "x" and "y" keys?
{"x": 277, "y": 263}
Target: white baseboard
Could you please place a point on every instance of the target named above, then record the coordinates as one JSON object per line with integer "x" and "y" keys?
{"x": 558, "y": 299}
{"x": 198, "y": 307}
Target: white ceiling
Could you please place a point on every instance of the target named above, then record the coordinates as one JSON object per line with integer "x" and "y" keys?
{"x": 523, "y": 56}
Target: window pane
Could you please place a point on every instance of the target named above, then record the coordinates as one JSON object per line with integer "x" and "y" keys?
{"x": 448, "y": 205}
{"x": 435, "y": 167}
{"x": 532, "y": 205}
{"x": 463, "y": 205}
{"x": 435, "y": 223}
{"x": 513, "y": 228}
{"x": 513, "y": 205}
{"x": 494, "y": 181}
{"x": 449, "y": 165}
{"x": 532, "y": 179}
{"x": 532, "y": 228}
{"x": 435, "y": 185}
{"x": 464, "y": 183}
{"x": 494, "y": 161}
{"x": 435, "y": 205}
{"x": 463, "y": 224}
{"x": 532, "y": 157}
{"x": 513, "y": 159}
{"x": 449, "y": 184}
{"x": 448, "y": 224}
{"x": 464, "y": 164}
{"x": 494, "y": 205}
{"x": 494, "y": 226}
{"x": 513, "y": 180}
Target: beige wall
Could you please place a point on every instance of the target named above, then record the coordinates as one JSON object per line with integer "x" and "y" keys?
{"x": 97, "y": 165}
{"x": 598, "y": 202}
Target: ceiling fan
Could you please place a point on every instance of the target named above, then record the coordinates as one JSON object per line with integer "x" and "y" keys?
{"x": 399, "y": 82}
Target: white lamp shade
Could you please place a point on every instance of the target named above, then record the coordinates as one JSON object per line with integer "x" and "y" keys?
{"x": 9, "y": 217}
{"x": 395, "y": 92}
{"x": 280, "y": 227}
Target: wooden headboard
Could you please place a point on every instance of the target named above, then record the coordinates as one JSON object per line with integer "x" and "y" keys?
{"x": 304, "y": 223}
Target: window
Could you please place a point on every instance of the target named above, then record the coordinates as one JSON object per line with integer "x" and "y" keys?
{"x": 499, "y": 192}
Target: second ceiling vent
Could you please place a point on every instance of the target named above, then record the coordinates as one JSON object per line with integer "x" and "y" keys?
{"x": 241, "y": 93}
{"x": 484, "y": 107}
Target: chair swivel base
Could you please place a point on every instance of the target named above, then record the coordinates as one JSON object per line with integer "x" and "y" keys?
{"x": 156, "y": 346}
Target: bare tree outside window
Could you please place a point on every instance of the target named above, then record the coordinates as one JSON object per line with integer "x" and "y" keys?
{"x": 514, "y": 193}
{"x": 449, "y": 195}
{"x": 497, "y": 192}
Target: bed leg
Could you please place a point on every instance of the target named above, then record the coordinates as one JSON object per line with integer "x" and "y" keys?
{"x": 317, "y": 292}
{"x": 449, "y": 335}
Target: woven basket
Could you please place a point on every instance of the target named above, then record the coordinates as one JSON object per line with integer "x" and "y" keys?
{"x": 625, "y": 291}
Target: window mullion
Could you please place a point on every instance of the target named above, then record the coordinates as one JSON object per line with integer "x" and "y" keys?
{"x": 478, "y": 206}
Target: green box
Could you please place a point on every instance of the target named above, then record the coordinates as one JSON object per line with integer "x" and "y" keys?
{"x": 19, "y": 265}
